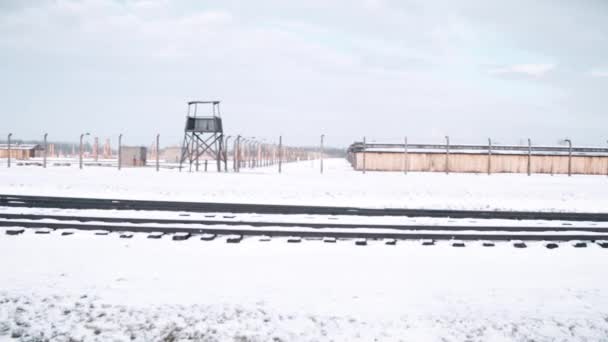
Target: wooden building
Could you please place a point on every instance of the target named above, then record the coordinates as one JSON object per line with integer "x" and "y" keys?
{"x": 133, "y": 156}
{"x": 479, "y": 159}
{"x": 20, "y": 151}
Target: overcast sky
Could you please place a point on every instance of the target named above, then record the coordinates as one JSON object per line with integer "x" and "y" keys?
{"x": 384, "y": 69}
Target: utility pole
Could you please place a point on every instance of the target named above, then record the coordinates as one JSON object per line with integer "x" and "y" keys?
{"x": 322, "y": 138}
{"x": 120, "y": 150}
{"x": 80, "y": 149}
{"x": 45, "y": 151}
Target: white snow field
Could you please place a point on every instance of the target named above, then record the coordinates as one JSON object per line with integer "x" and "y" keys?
{"x": 84, "y": 287}
{"x": 87, "y": 287}
{"x": 301, "y": 183}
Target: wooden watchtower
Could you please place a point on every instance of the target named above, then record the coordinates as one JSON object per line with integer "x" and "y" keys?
{"x": 203, "y": 134}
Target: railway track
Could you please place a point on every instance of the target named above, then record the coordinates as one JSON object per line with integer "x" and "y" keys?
{"x": 121, "y": 204}
{"x": 8, "y": 219}
{"x": 271, "y": 229}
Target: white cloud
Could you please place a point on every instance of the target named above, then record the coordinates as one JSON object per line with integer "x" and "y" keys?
{"x": 533, "y": 70}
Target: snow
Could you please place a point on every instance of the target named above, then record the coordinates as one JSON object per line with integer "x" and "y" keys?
{"x": 301, "y": 183}
{"x": 92, "y": 287}
{"x": 107, "y": 288}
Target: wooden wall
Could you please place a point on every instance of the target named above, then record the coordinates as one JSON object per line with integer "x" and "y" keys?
{"x": 478, "y": 163}
{"x": 17, "y": 153}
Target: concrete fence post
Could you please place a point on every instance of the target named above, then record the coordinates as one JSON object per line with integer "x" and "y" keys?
{"x": 226, "y": 144}
{"x": 218, "y": 159}
{"x": 529, "y": 156}
{"x": 489, "y": 156}
{"x": 45, "y": 151}
{"x": 96, "y": 149}
{"x": 9, "y": 150}
{"x": 447, "y": 155}
{"x": 197, "y": 163}
{"x": 364, "y": 166}
{"x": 235, "y": 153}
{"x": 280, "y": 152}
{"x": 258, "y": 155}
{"x": 254, "y": 156}
{"x": 322, "y": 137}
{"x": 405, "y": 161}
{"x": 569, "y": 157}
{"x": 157, "y": 152}
{"x": 80, "y": 150}
{"x": 119, "y": 150}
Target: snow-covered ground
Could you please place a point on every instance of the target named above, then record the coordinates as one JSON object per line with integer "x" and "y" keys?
{"x": 301, "y": 183}
{"x": 85, "y": 287}
{"x": 88, "y": 287}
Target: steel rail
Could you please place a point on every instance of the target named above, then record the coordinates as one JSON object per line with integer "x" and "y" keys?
{"x": 290, "y": 224}
{"x": 122, "y": 204}
{"x": 309, "y": 234}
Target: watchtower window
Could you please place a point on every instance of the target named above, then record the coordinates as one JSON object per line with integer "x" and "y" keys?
{"x": 213, "y": 124}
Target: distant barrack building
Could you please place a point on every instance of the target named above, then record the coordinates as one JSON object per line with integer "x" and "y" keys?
{"x": 478, "y": 158}
{"x": 133, "y": 156}
{"x": 19, "y": 151}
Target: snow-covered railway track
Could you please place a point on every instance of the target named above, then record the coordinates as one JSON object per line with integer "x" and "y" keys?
{"x": 465, "y": 233}
{"x": 122, "y": 204}
{"x": 8, "y": 219}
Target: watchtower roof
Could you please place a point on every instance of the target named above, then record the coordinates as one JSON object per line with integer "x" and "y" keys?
{"x": 208, "y": 109}
{"x": 203, "y": 102}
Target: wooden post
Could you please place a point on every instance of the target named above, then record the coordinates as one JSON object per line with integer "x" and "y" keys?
{"x": 405, "y": 161}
